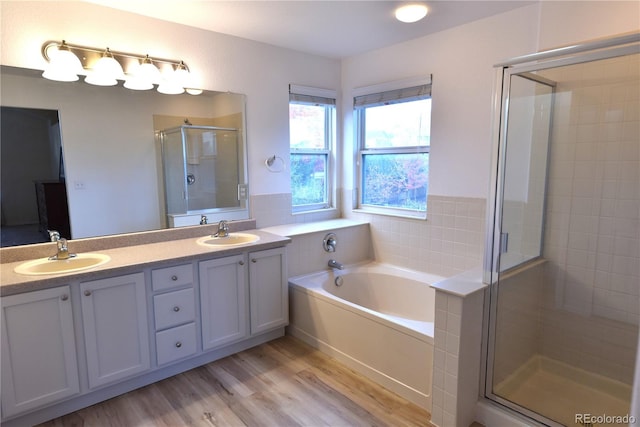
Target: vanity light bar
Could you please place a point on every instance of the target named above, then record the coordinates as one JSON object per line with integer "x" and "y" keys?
{"x": 89, "y": 56}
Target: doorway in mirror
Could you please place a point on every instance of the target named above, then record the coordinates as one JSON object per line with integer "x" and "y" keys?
{"x": 33, "y": 194}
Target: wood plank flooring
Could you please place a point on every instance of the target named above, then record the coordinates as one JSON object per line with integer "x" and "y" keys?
{"x": 281, "y": 383}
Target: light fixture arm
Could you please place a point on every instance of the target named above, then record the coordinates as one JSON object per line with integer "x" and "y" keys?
{"x": 90, "y": 55}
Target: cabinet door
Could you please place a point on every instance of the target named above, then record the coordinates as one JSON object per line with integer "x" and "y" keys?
{"x": 268, "y": 290}
{"x": 114, "y": 314}
{"x": 38, "y": 350}
{"x": 223, "y": 299}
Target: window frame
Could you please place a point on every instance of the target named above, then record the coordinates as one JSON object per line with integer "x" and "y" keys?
{"x": 315, "y": 96}
{"x": 362, "y": 151}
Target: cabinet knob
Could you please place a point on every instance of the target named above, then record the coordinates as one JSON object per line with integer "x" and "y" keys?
{"x": 87, "y": 293}
{"x": 241, "y": 262}
{"x": 64, "y": 297}
{"x": 254, "y": 260}
{"x": 174, "y": 277}
{"x": 176, "y": 308}
{"x": 178, "y": 344}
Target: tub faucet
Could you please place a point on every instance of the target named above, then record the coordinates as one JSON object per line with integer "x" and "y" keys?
{"x": 223, "y": 229}
{"x": 335, "y": 264}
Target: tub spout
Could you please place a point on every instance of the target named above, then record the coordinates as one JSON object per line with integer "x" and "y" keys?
{"x": 335, "y": 264}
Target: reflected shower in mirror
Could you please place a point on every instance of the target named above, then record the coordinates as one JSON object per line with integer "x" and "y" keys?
{"x": 112, "y": 156}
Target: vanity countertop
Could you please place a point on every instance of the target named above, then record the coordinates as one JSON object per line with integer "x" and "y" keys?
{"x": 132, "y": 258}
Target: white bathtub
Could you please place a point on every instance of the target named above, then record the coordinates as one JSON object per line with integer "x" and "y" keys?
{"x": 379, "y": 322}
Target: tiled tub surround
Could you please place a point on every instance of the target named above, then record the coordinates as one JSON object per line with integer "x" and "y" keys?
{"x": 450, "y": 241}
{"x": 306, "y": 253}
{"x": 275, "y": 209}
{"x": 457, "y": 355}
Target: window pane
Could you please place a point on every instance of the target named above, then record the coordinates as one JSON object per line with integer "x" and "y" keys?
{"x": 307, "y": 126}
{"x": 308, "y": 179}
{"x": 406, "y": 124}
{"x": 395, "y": 180}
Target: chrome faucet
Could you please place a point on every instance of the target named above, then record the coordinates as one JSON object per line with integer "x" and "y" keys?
{"x": 63, "y": 248}
{"x": 54, "y": 236}
{"x": 223, "y": 229}
{"x": 203, "y": 219}
{"x": 335, "y": 264}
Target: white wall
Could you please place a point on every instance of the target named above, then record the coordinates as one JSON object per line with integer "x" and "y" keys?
{"x": 219, "y": 62}
{"x": 461, "y": 61}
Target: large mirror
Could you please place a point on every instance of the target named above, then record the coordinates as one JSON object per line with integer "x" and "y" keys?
{"x": 107, "y": 157}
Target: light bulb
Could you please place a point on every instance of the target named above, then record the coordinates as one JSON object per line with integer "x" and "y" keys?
{"x": 106, "y": 72}
{"x": 64, "y": 65}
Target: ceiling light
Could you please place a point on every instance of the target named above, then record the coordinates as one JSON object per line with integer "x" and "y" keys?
{"x": 64, "y": 65}
{"x": 411, "y": 12}
{"x": 193, "y": 91}
{"x": 106, "y": 72}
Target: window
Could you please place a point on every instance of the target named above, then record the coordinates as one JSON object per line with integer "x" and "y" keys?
{"x": 311, "y": 137}
{"x": 393, "y": 159}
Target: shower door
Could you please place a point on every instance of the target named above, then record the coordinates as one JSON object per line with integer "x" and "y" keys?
{"x": 564, "y": 309}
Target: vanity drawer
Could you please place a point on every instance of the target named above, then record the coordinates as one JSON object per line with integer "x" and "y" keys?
{"x": 176, "y": 343}
{"x": 174, "y": 308}
{"x": 171, "y": 277}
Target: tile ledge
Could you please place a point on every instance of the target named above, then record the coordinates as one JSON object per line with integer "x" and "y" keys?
{"x": 297, "y": 229}
{"x": 463, "y": 284}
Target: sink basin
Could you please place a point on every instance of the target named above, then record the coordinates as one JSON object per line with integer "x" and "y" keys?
{"x": 231, "y": 240}
{"x": 47, "y": 266}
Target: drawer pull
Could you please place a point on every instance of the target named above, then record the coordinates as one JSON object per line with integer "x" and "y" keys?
{"x": 254, "y": 260}
{"x": 87, "y": 293}
{"x": 176, "y": 309}
{"x": 241, "y": 262}
{"x": 178, "y": 344}
{"x": 174, "y": 277}
{"x": 64, "y": 297}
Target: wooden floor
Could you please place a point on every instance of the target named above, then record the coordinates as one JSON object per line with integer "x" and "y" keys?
{"x": 282, "y": 383}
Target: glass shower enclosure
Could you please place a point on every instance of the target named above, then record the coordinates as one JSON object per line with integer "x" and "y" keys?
{"x": 565, "y": 256}
{"x": 203, "y": 170}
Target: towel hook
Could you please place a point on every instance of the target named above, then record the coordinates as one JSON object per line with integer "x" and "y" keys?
{"x": 275, "y": 164}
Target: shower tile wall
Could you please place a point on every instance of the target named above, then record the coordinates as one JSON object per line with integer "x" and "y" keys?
{"x": 592, "y": 238}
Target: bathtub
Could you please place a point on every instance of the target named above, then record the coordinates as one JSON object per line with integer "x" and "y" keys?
{"x": 375, "y": 318}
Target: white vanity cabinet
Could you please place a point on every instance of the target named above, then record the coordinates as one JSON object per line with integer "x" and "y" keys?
{"x": 85, "y": 341}
{"x": 223, "y": 300}
{"x": 268, "y": 290}
{"x": 114, "y": 317}
{"x": 38, "y": 350}
{"x": 174, "y": 312}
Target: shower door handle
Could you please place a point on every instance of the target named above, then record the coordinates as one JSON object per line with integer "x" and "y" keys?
{"x": 504, "y": 242}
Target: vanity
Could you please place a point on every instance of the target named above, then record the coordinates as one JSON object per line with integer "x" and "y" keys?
{"x": 164, "y": 303}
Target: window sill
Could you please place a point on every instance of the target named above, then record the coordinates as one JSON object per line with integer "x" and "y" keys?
{"x": 399, "y": 214}
{"x": 331, "y": 210}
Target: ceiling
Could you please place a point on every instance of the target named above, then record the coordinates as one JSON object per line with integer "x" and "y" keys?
{"x": 331, "y": 28}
